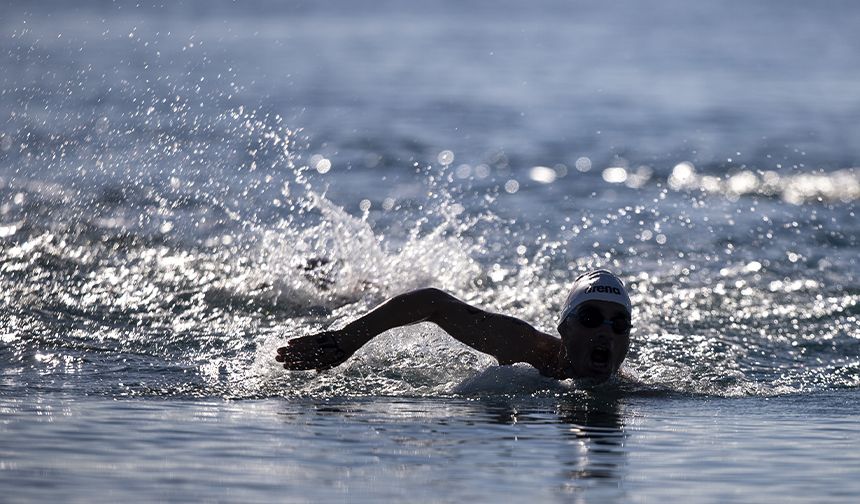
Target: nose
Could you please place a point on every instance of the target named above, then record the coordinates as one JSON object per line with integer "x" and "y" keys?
{"x": 604, "y": 332}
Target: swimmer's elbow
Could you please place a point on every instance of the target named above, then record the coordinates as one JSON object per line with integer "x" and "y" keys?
{"x": 431, "y": 293}
{"x": 442, "y": 308}
{"x": 434, "y": 297}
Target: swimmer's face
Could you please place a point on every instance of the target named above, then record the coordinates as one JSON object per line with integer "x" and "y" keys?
{"x": 594, "y": 352}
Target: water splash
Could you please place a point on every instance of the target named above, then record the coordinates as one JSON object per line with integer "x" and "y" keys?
{"x": 185, "y": 283}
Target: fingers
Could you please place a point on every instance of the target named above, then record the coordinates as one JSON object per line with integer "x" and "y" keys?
{"x": 301, "y": 344}
{"x": 297, "y": 358}
{"x": 319, "y": 351}
{"x": 296, "y": 348}
{"x": 284, "y": 353}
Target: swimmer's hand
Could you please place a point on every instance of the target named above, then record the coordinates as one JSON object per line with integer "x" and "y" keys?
{"x": 319, "y": 351}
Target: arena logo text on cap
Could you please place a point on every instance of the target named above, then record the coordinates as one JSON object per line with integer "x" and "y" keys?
{"x": 597, "y": 285}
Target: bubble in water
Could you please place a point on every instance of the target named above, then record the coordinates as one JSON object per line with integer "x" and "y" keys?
{"x": 445, "y": 157}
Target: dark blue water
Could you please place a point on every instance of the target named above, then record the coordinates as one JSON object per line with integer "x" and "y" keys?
{"x": 183, "y": 187}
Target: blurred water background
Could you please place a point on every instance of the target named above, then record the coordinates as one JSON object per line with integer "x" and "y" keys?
{"x": 184, "y": 186}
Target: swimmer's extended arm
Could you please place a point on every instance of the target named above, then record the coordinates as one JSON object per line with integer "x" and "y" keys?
{"x": 508, "y": 339}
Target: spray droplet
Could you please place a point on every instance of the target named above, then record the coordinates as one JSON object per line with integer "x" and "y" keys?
{"x": 583, "y": 164}
{"x": 543, "y": 174}
{"x": 615, "y": 175}
{"x": 102, "y": 125}
{"x": 320, "y": 163}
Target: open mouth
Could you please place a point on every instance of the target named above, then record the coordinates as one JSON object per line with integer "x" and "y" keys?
{"x": 601, "y": 358}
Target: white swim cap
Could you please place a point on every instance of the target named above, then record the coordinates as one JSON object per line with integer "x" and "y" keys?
{"x": 597, "y": 285}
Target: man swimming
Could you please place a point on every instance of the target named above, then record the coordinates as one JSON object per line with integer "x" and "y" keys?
{"x": 594, "y": 328}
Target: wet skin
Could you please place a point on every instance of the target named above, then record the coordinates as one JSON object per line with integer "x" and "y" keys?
{"x": 593, "y": 352}
{"x": 582, "y": 352}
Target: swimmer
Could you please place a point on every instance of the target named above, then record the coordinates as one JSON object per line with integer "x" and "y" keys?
{"x": 594, "y": 328}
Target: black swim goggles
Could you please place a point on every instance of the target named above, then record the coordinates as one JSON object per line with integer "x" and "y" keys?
{"x": 592, "y": 318}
